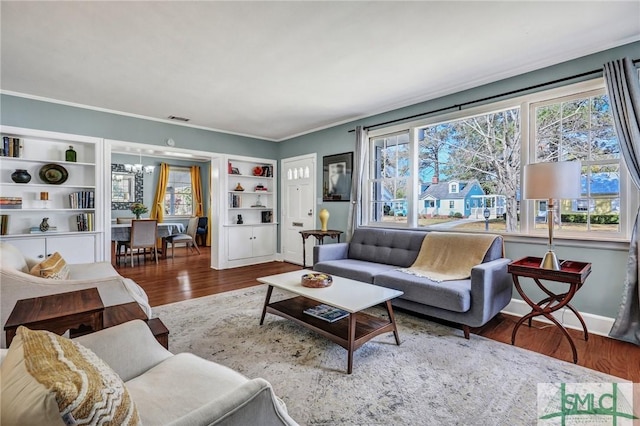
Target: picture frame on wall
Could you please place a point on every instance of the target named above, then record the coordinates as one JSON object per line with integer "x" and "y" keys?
{"x": 337, "y": 177}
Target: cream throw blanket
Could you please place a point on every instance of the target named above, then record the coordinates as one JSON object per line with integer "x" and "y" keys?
{"x": 447, "y": 256}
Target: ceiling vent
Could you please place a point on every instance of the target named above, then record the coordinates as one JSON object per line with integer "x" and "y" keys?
{"x": 175, "y": 117}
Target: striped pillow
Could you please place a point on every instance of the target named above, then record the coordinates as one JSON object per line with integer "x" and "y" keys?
{"x": 54, "y": 267}
{"x": 48, "y": 379}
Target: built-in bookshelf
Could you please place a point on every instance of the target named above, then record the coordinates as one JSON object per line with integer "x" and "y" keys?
{"x": 63, "y": 187}
{"x": 249, "y": 220}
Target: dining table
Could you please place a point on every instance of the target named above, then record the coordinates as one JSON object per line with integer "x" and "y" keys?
{"x": 122, "y": 232}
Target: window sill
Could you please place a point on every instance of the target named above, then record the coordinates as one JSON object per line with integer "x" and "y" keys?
{"x": 541, "y": 239}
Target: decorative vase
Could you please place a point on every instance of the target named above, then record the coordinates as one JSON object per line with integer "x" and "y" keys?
{"x": 239, "y": 221}
{"x": 324, "y": 218}
{"x": 20, "y": 176}
{"x": 70, "y": 155}
{"x": 44, "y": 225}
{"x": 137, "y": 216}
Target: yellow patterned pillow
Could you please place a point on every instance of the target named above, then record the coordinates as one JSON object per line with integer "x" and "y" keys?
{"x": 53, "y": 267}
{"x": 48, "y": 379}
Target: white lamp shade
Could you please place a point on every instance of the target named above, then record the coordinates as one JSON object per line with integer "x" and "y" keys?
{"x": 559, "y": 180}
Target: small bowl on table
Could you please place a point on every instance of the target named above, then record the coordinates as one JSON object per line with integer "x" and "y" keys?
{"x": 316, "y": 280}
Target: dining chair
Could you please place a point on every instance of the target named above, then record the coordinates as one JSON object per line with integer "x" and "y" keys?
{"x": 122, "y": 244}
{"x": 188, "y": 238}
{"x": 201, "y": 232}
{"x": 144, "y": 234}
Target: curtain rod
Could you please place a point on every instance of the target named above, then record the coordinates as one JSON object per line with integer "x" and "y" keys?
{"x": 488, "y": 98}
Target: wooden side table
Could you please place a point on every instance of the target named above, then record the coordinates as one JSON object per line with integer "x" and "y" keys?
{"x": 119, "y": 314}
{"x": 572, "y": 273}
{"x": 57, "y": 313}
{"x": 319, "y": 235}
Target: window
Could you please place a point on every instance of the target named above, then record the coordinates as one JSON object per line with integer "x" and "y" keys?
{"x": 580, "y": 128}
{"x": 178, "y": 199}
{"x": 389, "y": 177}
{"x": 452, "y": 167}
{"x": 468, "y": 164}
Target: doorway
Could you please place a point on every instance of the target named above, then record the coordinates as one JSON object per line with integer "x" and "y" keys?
{"x": 298, "y": 183}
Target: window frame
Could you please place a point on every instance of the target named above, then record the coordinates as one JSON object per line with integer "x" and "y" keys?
{"x": 180, "y": 169}
{"x": 629, "y": 195}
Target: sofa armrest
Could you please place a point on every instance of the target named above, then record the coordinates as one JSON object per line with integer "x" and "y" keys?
{"x": 254, "y": 400}
{"x": 337, "y": 251}
{"x": 491, "y": 290}
{"x": 129, "y": 349}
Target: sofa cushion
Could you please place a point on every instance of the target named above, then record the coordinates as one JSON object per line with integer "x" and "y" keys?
{"x": 47, "y": 378}
{"x": 451, "y": 295}
{"x": 160, "y": 404}
{"x": 12, "y": 258}
{"x": 358, "y": 270}
{"x": 54, "y": 267}
{"x": 389, "y": 246}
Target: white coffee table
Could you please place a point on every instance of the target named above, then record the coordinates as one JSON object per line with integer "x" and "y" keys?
{"x": 346, "y": 294}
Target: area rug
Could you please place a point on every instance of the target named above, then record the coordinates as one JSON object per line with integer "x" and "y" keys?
{"x": 435, "y": 377}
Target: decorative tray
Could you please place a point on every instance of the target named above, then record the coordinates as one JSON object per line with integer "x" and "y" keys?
{"x": 54, "y": 174}
{"x": 316, "y": 280}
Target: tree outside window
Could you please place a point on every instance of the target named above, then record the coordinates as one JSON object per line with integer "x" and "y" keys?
{"x": 580, "y": 128}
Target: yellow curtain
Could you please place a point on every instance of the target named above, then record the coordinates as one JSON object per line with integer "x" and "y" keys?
{"x": 196, "y": 190}
{"x": 157, "y": 210}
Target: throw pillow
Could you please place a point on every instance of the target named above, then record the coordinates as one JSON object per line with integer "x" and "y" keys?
{"x": 49, "y": 379}
{"x": 54, "y": 267}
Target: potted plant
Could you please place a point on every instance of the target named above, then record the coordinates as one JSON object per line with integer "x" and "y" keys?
{"x": 138, "y": 209}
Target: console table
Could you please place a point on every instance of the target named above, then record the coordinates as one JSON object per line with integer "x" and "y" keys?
{"x": 319, "y": 235}
{"x": 572, "y": 273}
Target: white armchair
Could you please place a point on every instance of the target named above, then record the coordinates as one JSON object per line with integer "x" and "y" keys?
{"x": 17, "y": 283}
{"x": 182, "y": 389}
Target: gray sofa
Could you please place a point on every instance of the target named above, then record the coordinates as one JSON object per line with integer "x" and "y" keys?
{"x": 374, "y": 256}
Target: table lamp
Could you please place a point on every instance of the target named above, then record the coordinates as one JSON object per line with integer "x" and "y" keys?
{"x": 552, "y": 181}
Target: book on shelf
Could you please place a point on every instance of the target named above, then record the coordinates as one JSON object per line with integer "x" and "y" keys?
{"x": 4, "y": 224}
{"x": 81, "y": 200}
{"x": 10, "y": 202}
{"x": 326, "y": 313}
{"x": 11, "y": 147}
{"x": 36, "y": 230}
{"x": 85, "y": 222}
{"x": 235, "y": 201}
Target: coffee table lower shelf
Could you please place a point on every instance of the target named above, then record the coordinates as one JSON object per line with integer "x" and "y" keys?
{"x": 350, "y": 332}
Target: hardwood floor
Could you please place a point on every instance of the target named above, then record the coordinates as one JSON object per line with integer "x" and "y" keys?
{"x": 187, "y": 277}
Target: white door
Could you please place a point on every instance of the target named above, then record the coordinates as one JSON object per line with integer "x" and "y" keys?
{"x": 298, "y": 183}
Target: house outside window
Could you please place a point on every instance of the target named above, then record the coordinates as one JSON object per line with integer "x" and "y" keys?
{"x": 480, "y": 153}
{"x": 178, "y": 199}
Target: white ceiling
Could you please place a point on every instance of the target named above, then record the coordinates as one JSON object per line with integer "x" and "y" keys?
{"x": 274, "y": 70}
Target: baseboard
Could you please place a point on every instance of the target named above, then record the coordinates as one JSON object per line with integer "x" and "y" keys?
{"x": 596, "y": 324}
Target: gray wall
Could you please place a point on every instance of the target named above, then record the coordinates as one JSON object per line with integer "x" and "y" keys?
{"x": 601, "y": 294}
{"x": 32, "y": 114}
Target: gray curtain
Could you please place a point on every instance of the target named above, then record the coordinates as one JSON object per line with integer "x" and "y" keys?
{"x": 624, "y": 94}
{"x": 359, "y": 165}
